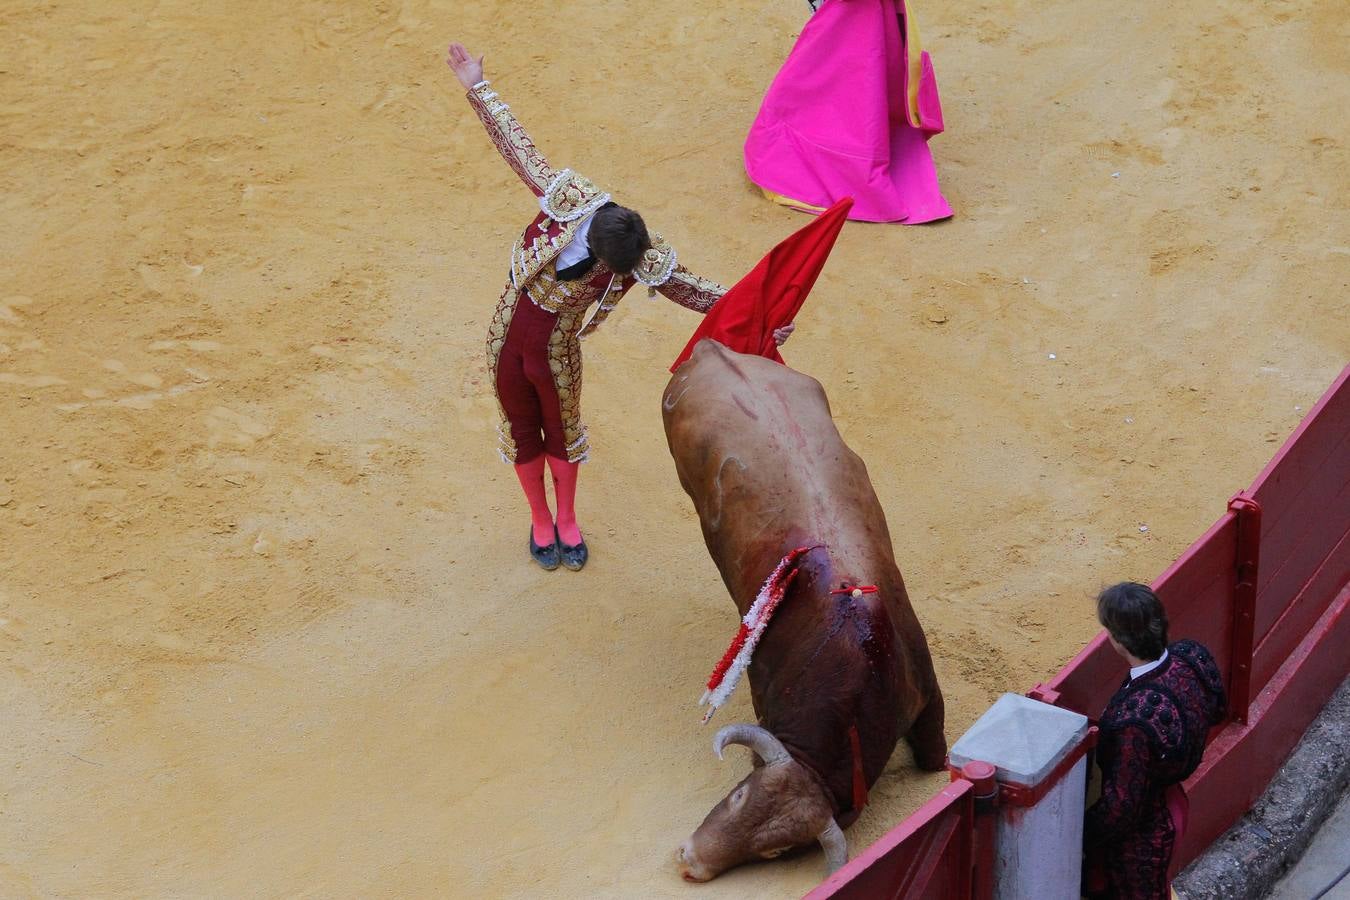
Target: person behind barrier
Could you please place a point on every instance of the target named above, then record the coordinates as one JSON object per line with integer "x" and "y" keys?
{"x": 1153, "y": 734}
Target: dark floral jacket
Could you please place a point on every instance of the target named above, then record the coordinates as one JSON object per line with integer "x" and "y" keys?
{"x": 1153, "y": 733}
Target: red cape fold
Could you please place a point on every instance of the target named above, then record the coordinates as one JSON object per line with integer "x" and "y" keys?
{"x": 770, "y": 296}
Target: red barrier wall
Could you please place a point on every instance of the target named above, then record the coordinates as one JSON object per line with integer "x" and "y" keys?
{"x": 929, "y": 855}
{"x": 1266, "y": 589}
{"x": 1289, "y": 646}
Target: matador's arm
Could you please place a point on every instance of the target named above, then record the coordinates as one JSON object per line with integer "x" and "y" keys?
{"x": 510, "y": 139}
{"x": 691, "y": 291}
{"x": 659, "y": 270}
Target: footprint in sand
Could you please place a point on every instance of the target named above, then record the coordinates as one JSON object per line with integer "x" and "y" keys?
{"x": 98, "y": 396}
{"x": 10, "y": 628}
{"x": 134, "y": 401}
{"x": 475, "y": 403}
{"x": 163, "y": 276}
{"x": 20, "y": 341}
{"x": 144, "y": 379}
{"x": 199, "y": 376}
{"x": 8, "y": 307}
{"x": 32, "y": 381}
{"x": 361, "y": 364}
{"x": 150, "y": 380}
{"x": 195, "y": 346}
{"x": 225, "y": 427}
{"x": 85, "y": 472}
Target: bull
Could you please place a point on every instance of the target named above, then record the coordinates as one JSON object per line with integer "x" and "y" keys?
{"x": 843, "y": 671}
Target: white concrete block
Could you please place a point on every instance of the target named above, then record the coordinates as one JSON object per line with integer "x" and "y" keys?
{"x": 1039, "y": 847}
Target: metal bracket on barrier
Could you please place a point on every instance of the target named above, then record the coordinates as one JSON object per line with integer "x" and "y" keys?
{"x": 1247, "y": 567}
{"x": 981, "y": 776}
{"x": 1022, "y": 795}
{"x": 1003, "y": 794}
{"x": 1045, "y": 694}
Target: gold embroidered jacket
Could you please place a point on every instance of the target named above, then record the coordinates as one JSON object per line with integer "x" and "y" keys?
{"x": 565, "y": 200}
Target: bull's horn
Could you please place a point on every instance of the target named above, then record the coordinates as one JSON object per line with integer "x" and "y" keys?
{"x": 835, "y": 846}
{"x": 768, "y": 747}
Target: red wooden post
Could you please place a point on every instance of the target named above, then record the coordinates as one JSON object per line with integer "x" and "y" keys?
{"x": 1248, "y": 513}
{"x": 981, "y": 775}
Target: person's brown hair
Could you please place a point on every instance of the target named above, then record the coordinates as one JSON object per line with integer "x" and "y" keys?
{"x": 1135, "y": 617}
{"x": 618, "y": 238}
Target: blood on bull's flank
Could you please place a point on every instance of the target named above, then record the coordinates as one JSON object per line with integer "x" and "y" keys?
{"x": 838, "y": 664}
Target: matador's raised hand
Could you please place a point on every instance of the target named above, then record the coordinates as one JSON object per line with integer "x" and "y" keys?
{"x": 468, "y": 70}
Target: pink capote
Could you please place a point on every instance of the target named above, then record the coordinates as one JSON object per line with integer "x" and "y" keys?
{"x": 842, "y": 118}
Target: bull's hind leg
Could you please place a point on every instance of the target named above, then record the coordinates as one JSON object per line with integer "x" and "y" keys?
{"x": 926, "y": 738}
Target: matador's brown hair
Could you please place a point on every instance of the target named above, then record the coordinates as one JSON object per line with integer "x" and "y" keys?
{"x": 618, "y": 238}
{"x": 1135, "y": 617}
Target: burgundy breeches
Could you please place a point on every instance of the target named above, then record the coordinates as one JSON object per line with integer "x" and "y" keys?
{"x": 525, "y": 384}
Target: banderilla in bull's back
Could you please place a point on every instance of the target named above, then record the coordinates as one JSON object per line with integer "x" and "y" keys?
{"x": 839, "y": 670}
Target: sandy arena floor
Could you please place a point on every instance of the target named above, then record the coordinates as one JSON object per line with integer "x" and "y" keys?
{"x": 266, "y": 621}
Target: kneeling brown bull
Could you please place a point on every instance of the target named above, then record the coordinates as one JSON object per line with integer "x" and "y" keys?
{"x": 840, "y": 675}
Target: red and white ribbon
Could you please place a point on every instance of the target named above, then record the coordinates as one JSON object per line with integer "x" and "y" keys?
{"x": 727, "y": 674}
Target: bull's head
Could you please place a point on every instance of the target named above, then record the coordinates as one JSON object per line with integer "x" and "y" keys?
{"x": 778, "y": 806}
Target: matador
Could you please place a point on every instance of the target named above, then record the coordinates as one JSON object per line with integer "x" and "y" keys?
{"x": 580, "y": 251}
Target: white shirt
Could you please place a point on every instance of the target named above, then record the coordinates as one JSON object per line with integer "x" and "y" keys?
{"x": 1148, "y": 666}
{"x": 580, "y": 247}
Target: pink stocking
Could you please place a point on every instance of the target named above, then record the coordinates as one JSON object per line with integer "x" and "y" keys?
{"x": 531, "y": 475}
{"x": 565, "y": 492}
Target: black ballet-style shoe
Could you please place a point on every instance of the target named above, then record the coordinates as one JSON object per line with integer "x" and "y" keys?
{"x": 575, "y": 557}
{"x": 547, "y": 557}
